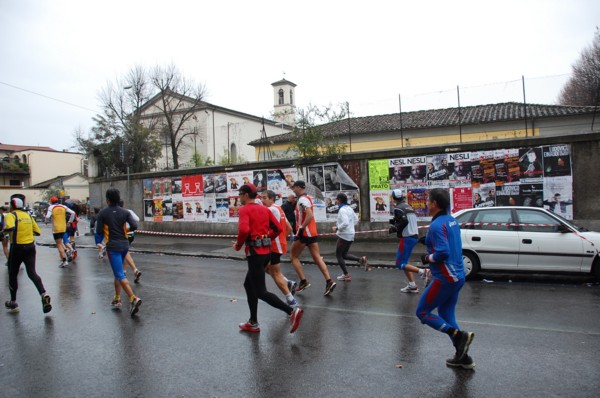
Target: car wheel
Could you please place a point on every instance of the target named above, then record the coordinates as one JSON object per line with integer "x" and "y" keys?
{"x": 471, "y": 263}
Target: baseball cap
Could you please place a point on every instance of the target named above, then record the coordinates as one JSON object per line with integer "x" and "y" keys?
{"x": 17, "y": 203}
{"x": 397, "y": 194}
{"x": 248, "y": 188}
{"x": 54, "y": 199}
{"x": 299, "y": 184}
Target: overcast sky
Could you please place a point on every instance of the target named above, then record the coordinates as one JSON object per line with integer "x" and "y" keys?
{"x": 364, "y": 52}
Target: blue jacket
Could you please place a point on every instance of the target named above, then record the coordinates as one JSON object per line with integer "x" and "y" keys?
{"x": 445, "y": 247}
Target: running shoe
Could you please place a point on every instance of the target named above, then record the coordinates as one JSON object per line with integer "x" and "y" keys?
{"x": 292, "y": 286}
{"x": 465, "y": 362}
{"x": 410, "y": 289}
{"x": 12, "y": 306}
{"x": 303, "y": 285}
{"x": 137, "y": 275}
{"x": 74, "y": 255}
{"x": 63, "y": 264}
{"x": 343, "y": 277}
{"x": 329, "y": 286}
{"x": 364, "y": 262}
{"x": 292, "y": 303}
{"x": 427, "y": 276}
{"x": 295, "y": 319}
{"x": 46, "y": 307}
{"x": 116, "y": 303}
{"x": 462, "y": 341}
{"x": 250, "y": 327}
{"x": 135, "y": 306}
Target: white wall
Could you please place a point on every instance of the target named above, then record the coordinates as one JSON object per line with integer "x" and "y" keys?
{"x": 45, "y": 165}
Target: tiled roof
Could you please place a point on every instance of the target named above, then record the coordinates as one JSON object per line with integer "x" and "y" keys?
{"x": 18, "y": 148}
{"x": 438, "y": 118}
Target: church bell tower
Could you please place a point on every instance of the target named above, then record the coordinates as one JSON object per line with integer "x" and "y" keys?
{"x": 284, "y": 101}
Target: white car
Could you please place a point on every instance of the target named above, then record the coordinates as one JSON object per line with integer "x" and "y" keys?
{"x": 517, "y": 238}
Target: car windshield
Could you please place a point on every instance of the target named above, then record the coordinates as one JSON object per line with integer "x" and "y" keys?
{"x": 570, "y": 223}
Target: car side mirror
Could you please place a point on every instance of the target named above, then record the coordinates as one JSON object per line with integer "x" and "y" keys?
{"x": 562, "y": 229}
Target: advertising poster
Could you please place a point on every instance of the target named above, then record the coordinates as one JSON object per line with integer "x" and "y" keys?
{"x": 417, "y": 198}
{"x": 476, "y": 169}
{"x": 209, "y": 183}
{"x": 148, "y": 209}
{"x": 508, "y": 195}
{"x": 177, "y": 207}
{"x": 316, "y": 178}
{"x": 210, "y": 208}
{"x": 276, "y": 181}
{"x": 331, "y": 207}
{"x": 147, "y": 186}
{"x": 532, "y": 194}
{"x": 461, "y": 199}
{"x": 558, "y": 196}
{"x": 193, "y": 209}
{"x": 220, "y": 183}
{"x": 234, "y": 182}
{"x": 176, "y": 185}
{"x": 486, "y": 160}
{"x": 557, "y": 160}
{"x": 234, "y": 208}
{"x": 222, "y": 205}
{"x": 379, "y": 175}
{"x": 530, "y": 163}
{"x": 259, "y": 179}
{"x": 460, "y": 164}
{"x": 513, "y": 169}
{"x": 191, "y": 186}
{"x": 167, "y": 205}
{"x": 407, "y": 170}
{"x": 437, "y": 167}
{"x": 380, "y": 206}
{"x": 319, "y": 210}
{"x": 501, "y": 169}
{"x": 158, "y": 210}
{"x": 484, "y": 195}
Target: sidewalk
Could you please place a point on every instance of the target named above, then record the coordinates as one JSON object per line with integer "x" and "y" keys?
{"x": 380, "y": 252}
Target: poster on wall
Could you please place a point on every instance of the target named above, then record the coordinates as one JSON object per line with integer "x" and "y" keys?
{"x": 530, "y": 163}
{"x": 417, "y": 199}
{"x": 147, "y": 187}
{"x": 437, "y": 167}
{"x": 191, "y": 186}
{"x": 222, "y": 206}
{"x": 234, "y": 208}
{"x": 508, "y": 195}
{"x": 148, "y": 210}
{"x": 193, "y": 209}
{"x": 460, "y": 165}
{"x": 558, "y": 196}
{"x": 461, "y": 198}
{"x": 484, "y": 195}
{"x": 407, "y": 170}
{"x": 259, "y": 179}
{"x": 380, "y": 205}
{"x": 557, "y": 160}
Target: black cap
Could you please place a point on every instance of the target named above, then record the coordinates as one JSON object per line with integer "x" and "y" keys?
{"x": 299, "y": 184}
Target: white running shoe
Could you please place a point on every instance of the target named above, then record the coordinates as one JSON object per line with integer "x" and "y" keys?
{"x": 410, "y": 289}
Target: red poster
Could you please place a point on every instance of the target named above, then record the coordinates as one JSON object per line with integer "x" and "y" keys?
{"x": 191, "y": 185}
{"x": 462, "y": 198}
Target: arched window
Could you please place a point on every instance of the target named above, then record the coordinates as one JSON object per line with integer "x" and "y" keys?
{"x": 24, "y": 158}
{"x": 291, "y": 97}
{"x": 233, "y": 153}
{"x": 280, "y": 96}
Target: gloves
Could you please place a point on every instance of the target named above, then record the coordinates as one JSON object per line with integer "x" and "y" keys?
{"x": 425, "y": 259}
{"x": 393, "y": 230}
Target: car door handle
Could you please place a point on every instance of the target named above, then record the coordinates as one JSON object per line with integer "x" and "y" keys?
{"x": 527, "y": 241}
{"x": 476, "y": 239}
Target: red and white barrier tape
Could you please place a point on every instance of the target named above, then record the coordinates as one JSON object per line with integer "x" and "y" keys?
{"x": 469, "y": 224}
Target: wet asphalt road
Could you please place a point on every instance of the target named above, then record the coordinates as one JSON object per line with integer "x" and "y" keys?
{"x": 532, "y": 339}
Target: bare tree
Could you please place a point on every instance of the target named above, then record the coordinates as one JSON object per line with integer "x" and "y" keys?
{"x": 178, "y": 101}
{"x": 119, "y": 142}
{"x": 583, "y": 88}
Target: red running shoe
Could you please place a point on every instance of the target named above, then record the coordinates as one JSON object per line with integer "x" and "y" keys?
{"x": 295, "y": 319}
{"x": 250, "y": 327}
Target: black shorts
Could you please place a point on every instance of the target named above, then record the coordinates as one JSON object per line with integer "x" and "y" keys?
{"x": 308, "y": 240}
{"x": 275, "y": 258}
{"x": 58, "y": 235}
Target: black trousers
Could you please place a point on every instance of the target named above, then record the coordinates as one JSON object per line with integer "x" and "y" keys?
{"x": 256, "y": 287}
{"x": 22, "y": 254}
{"x": 341, "y": 253}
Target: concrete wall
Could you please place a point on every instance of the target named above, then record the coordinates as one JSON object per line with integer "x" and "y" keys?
{"x": 586, "y": 175}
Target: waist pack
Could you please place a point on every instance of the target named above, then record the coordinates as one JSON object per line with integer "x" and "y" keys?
{"x": 263, "y": 241}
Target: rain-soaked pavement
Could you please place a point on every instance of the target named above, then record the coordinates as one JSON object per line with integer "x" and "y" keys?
{"x": 531, "y": 339}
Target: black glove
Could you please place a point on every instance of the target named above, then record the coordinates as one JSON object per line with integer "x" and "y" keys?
{"x": 422, "y": 239}
{"x": 392, "y": 230}
{"x": 425, "y": 259}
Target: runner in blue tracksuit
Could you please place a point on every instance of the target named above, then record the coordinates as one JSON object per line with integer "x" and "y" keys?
{"x": 444, "y": 257}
